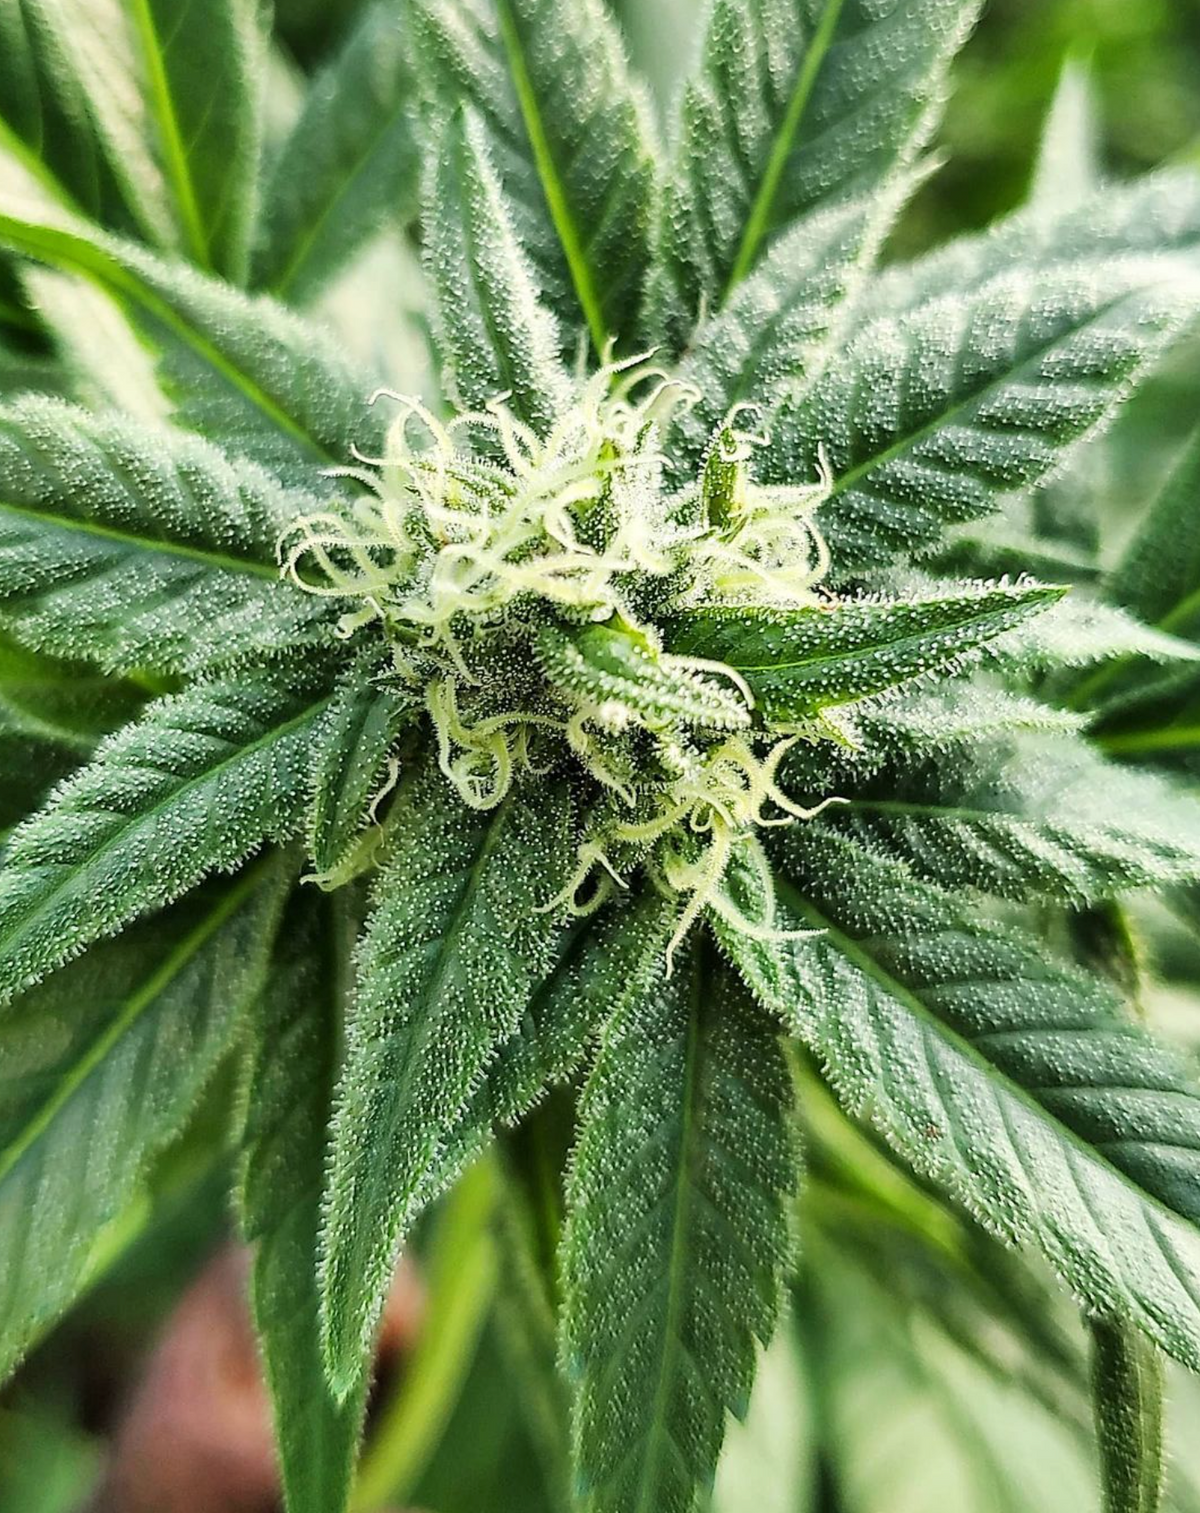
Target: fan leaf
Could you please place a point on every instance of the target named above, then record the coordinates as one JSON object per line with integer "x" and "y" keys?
{"x": 458, "y": 940}
{"x": 292, "y": 1064}
{"x": 140, "y": 549}
{"x": 102, "y": 1066}
{"x": 1017, "y": 1085}
{"x": 193, "y": 787}
{"x": 678, "y": 1231}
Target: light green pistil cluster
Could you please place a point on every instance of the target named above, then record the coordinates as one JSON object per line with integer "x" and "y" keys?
{"x": 523, "y": 581}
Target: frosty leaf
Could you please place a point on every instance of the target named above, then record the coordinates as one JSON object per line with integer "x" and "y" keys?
{"x": 101, "y": 1066}
{"x": 141, "y": 549}
{"x": 193, "y": 787}
{"x": 494, "y": 334}
{"x": 349, "y": 764}
{"x": 1127, "y": 1388}
{"x": 796, "y": 104}
{"x": 1081, "y": 632}
{"x": 350, "y": 164}
{"x": 245, "y": 372}
{"x": 1068, "y": 166}
{"x": 1036, "y": 817}
{"x": 801, "y": 661}
{"x": 931, "y": 417}
{"x": 1017, "y": 1085}
{"x": 677, "y": 1235}
{"x": 572, "y": 141}
{"x": 458, "y": 940}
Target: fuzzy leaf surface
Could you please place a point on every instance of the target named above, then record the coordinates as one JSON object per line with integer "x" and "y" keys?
{"x": 192, "y": 787}
{"x": 245, "y": 372}
{"x": 1127, "y": 1390}
{"x": 203, "y": 62}
{"x": 101, "y": 1066}
{"x": 349, "y": 165}
{"x": 931, "y": 417}
{"x": 1038, "y": 816}
{"x": 494, "y": 334}
{"x": 805, "y": 660}
{"x": 795, "y": 104}
{"x": 141, "y": 549}
{"x": 572, "y": 139}
{"x": 1016, "y": 1084}
{"x": 678, "y": 1200}
{"x": 292, "y": 1065}
{"x": 455, "y": 946}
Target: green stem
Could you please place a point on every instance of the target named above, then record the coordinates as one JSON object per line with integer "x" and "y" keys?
{"x": 1162, "y": 738}
{"x": 461, "y": 1281}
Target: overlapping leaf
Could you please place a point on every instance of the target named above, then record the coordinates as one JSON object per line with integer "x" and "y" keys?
{"x": 459, "y": 939}
{"x": 572, "y": 140}
{"x": 101, "y": 1066}
{"x": 193, "y": 787}
{"x": 678, "y": 1233}
{"x": 930, "y": 417}
{"x": 141, "y": 549}
{"x": 292, "y": 1066}
{"x": 495, "y": 335}
{"x": 350, "y": 164}
{"x": 796, "y": 104}
{"x": 1016, "y": 1084}
{"x": 801, "y": 661}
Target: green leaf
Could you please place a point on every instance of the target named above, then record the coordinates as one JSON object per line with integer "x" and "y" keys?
{"x": 459, "y": 938}
{"x": 604, "y": 967}
{"x": 1158, "y": 577}
{"x": 1015, "y": 1084}
{"x": 292, "y": 1065}
{"x": 914, "y": 1421}
{"x": 350, "y": 164}
{"x": 142, "y": 549}
{"x": 1127, "y": 1388}
{"x": 1041, "y": 817}
{"x": 494, "y": 335}
{"x": 1081, "y": 632}
{"x": 102, "y": 1065}
{"x": 780, "y": 326}
{"x": 245, "y": 372}
{"x": 1067, "y": 171}
{"x": 204, "y": 62}
{"x": 618, "y": 668}
{"x": 678, "y": 1232}
{"x": 931, "y": 417}
{"x": 795, "y": 105}
{"x": 52, "y": 716}
{"x": 47, "y": 122}
{"x": 349, "y": 763}
{"x": 799, "y": 662}
{"x": 573, "y": 141}
{"x": 193, "y": 787}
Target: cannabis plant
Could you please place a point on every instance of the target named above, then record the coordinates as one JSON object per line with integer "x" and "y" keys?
{"x": 601, "y": 753}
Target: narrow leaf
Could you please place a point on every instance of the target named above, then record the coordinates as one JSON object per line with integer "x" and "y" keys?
{"x": 1017, "y": 1085}
{"x": 349, "y": 166}
{"x": 573, "y": 141}
{"x": 677, "y": 1235}
{"x": 291, "y": 1069}
{"x": 101, "y": 1066}
{"x": 142, "y": 549}
{"x": 930, "y": 418}
{"x": 244, "y": 372}
{"x": 193, "y": 787}
{"x": 458, "y": 940}
{"x": 802, "y": 661}
{"x": 1067, "y": 171}
{"x": 1127, "y": 1389}
{"x": 795, "y": 105}
{"x": 204, "y": 62}
{"x": 494, "y": 335}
